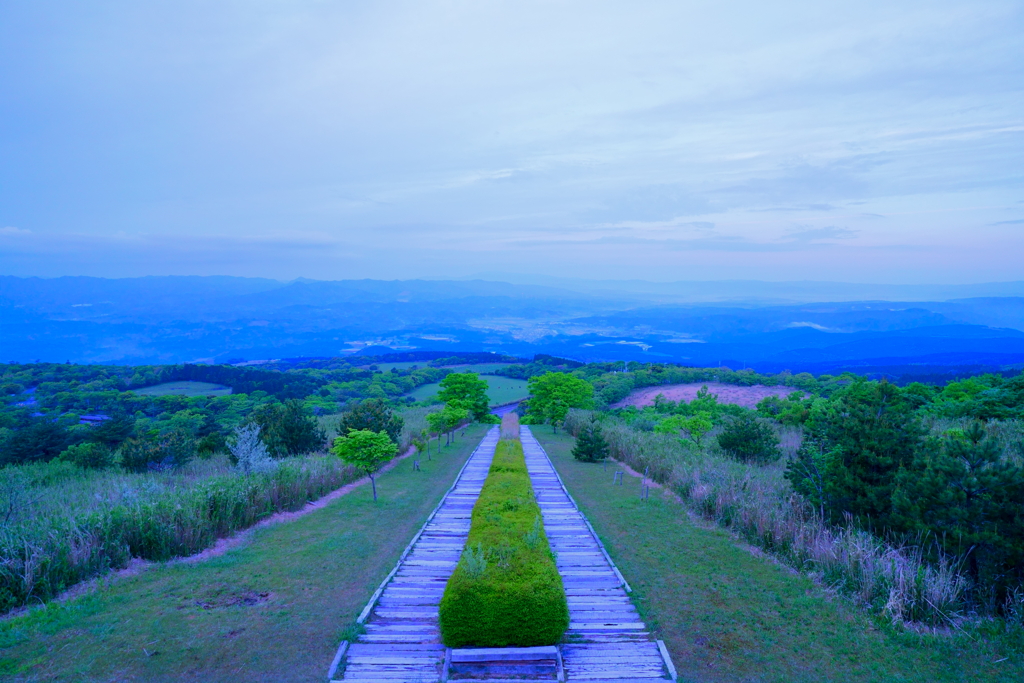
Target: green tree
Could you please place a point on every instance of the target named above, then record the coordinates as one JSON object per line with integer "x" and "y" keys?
{"x": 373, "y": 414}
{"x": 812, "y": 472}
{"x": 553, "y": 394}
{"x": 876, "y": 434}
{"x": 591, "y": 445}
{"x": 970, "y": 499}
{"x": 466, "y": 390}
{"x": 695, "y": 426}
{"x": 438, "y": 423}
{"x": 367, "y": 451}
{"x": 288, "y": 428}
{"x": 749, "y": 439}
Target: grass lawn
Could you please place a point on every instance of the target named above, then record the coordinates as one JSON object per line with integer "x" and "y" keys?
{"x": 500, "y": 390}
{"x": 404, "y": 365}
{"x": 478, "y": 367}
{"x": 190, "y": 389}
{"x": 728, "y": 615}
{"x": 273, "y": 609}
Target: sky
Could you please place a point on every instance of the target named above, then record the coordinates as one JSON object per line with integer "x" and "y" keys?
{"x": 857, "y": 141}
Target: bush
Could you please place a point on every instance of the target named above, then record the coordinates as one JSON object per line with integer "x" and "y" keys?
{"x": 249, "y": 452}
{"x": 162, "y": 452}
{"x": 506, "y": 590}
{"x": 94, "y": 455}
{"x": 748, "y": 439}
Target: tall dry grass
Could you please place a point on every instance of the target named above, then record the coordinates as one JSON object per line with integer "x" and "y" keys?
{"x": 67, "y": 525}
{"x": 60, "y": 524}
{"x": 510, "y": 426}
{"x": 758, "y": 504}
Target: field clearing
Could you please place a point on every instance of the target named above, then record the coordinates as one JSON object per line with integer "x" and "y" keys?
{"x": 404, "y": 365}
{"x": 190, "y": 389}
{"x": 482, "y": 368}
{"x": 272, "y": 609}
{"x": 728, "y": 613}
{"x": 748, "y": 397}
{"x": 500, "y": 390}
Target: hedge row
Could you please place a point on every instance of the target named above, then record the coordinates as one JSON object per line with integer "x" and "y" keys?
{"x": 506, "y": 590}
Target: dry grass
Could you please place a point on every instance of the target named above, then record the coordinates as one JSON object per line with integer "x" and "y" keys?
{"x": 757, "y": 503}
{"x": 510, "y": 426}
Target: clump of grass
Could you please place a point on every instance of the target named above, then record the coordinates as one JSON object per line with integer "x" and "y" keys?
{"x": 510, "y": 425}
{"x": 758, "y": 503}
{"x": 74, "y": 525}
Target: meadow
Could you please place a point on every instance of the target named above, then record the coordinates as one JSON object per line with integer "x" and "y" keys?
{"x": 898, "y": 579}
{"x": 272, "y": 608}
{"x": 500, "y": 390}
{"x": 185, "y": 388}
{"x": 728, "y": 612}
{"x": 64, "y": 524}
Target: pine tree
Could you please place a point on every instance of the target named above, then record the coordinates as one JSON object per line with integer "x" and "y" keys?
{"x": 970, "y": 498}
{"x": 591, "y": 445}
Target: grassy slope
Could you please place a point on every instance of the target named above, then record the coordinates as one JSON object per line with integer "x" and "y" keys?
{"x": 185, "y": 388}
{"x": 500, "y": 390}
{"x": 728, "y": 615}
{"x": 191, "y": 622}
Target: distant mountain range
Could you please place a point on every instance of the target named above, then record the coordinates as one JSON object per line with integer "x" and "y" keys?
{"x": 213, "y": 319}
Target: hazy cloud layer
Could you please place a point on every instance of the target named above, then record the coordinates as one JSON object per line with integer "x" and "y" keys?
{"x": 861, "y": 140}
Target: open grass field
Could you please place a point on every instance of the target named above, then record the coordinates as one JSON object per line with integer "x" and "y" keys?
{"x": 727, "y": 613}
{"x": 404, "y": 365}
{"x": 482, "y": 368}
{"x": 747, "y": 397}
{"x": 190, "y": 389}
{"x": 500, "y": 390}
{"x": 272, "y": 609}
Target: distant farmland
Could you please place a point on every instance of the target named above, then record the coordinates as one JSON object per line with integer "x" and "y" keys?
{"x": 190, "y": 389}
{"x": 500, "y": 390}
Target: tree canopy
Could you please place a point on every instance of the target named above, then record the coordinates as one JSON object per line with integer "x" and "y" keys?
{"x": 366, "y": 450}
{"x": 466, "y": 390}
{"x": 553, "y": 394}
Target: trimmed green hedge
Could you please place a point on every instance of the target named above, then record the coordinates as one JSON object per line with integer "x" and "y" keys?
{"x": 506, "y": 590}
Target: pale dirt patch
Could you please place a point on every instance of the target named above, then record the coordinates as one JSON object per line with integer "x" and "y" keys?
{"x": 748, "y": 397}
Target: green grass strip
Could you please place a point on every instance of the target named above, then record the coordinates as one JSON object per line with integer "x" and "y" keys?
{"x": 506, "y": 590}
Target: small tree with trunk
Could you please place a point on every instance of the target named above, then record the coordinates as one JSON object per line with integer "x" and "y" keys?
{"x": 367, "y": 451}
{"x": 591, "y": 445}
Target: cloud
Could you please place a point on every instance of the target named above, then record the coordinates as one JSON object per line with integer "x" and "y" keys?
{"x": 1019, "y": 221}
{"x": 827, "y": 233}
{"x": 13, "y": 231}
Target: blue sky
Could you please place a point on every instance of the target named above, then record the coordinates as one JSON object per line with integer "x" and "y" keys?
{"x": 856, "y": 141}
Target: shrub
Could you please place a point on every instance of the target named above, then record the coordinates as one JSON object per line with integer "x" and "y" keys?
{"x": 748, "y": 439}
{"x": 160, "y": 452}
{"x": 94, "y": 455}
{"x": 249, "y": 452}
{"x": 506, "y": 590}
